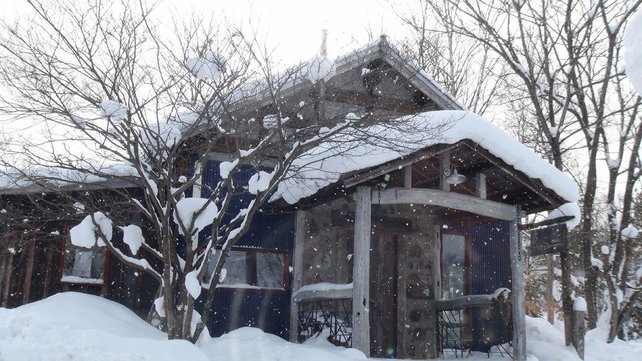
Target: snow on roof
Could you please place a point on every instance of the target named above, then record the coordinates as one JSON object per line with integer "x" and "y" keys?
{"x": 364, "y": 148}
{"x": 42, "y": 178}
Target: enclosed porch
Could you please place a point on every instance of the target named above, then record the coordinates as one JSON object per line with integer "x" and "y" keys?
{"x": 410, "y": 262}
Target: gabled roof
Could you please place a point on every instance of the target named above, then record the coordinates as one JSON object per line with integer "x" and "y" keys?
{"x": 378, "y": 54}
{"x": 382, "y": 49}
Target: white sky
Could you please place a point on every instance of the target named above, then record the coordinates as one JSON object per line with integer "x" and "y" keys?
{"x": 293, "y": 27}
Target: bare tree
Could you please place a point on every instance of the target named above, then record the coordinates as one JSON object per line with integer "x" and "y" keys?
{"x": 468, "y": 70}
{"x": 130, "y": 104}
{"x": 565, "y": 59}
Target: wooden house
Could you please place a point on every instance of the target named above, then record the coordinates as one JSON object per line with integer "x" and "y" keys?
{"x": 397, "y": 253}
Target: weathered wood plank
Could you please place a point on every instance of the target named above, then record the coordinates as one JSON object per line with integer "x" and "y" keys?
{"x": 8, "y": 273}
{"x": 518, "y": 289}
{"x": 331, "y": 294}
{"x": 297, "y": 276}
{"x": 436, "y": 261}
{"x": 579, "y": 330}
{"x": 360, "y": 176}
{"x": 407, "y": 176}
{"x": 480, "y": 185}
{"x": 26, "y": 285}
{"x": 49, "y": 249}
{"x": 361, "y": 272}
{"x": 440, "y": 198}
{"x": 463, "y": 302}
{"x": 567, "y": 301}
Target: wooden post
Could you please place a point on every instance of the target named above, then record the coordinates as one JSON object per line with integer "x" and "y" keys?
{"x": 26, "y": 285}
{"x": 436, "y": 261}
{"x": 579, "y": 330}
{"x": 297, "y": 275}
{"x": 480, "y": 185}
{"x": 49, "y": 249}
{"x": 3, "y": 268}
{"x": 550, "y": 300}
{"x": 8, "y": 273}
{"x": 407, "y": 176}
{"x": 567, "y": 301}
{"x": 361, "y": 271}
{"x": 518, "y": 292}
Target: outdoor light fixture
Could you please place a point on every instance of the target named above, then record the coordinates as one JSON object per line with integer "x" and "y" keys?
{"x": 454, "y": 178}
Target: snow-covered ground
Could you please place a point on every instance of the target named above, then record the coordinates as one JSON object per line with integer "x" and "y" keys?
{"x": 73, "y": 326}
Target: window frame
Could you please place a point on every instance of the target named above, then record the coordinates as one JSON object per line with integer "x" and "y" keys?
{"x": 467, "y": 262}
{"x": 78, "y": 281}
{"x": 285, "y": 269}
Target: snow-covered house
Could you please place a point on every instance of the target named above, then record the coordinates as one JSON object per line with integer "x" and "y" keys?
{"x": 400, "y": 250}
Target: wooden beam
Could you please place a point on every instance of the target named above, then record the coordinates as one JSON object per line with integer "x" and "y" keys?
{"x": 361, "y": 176}
{"x": 315, "y": 295}
{"x": 518, "y": 290}
{"x": 379, "y": 102}
{"x": 297, "y": 276}
{"x": 439, "y": 198}
{"x": 548, "y": 222}
{"x": 517, "y": 175}
{"x": 480, "y": 185}
{"x": 361, "y": 272}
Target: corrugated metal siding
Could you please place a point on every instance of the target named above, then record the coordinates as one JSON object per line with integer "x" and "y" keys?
{"x": 268, "y": 229}
{"x": 266, "y": 309}
{"x": 490, "y": 257}
{"x": 490, "y": 271}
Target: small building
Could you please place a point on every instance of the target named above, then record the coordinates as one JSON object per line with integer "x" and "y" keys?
{"x": 403, "y": 247}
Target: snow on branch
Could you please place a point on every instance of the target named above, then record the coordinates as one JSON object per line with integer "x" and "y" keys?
{"x": 91, "y": 230}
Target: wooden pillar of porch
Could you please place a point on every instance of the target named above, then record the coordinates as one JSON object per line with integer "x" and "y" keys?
{"x": 518, "y": 290}
{"x": 361, "y": 271}
{"x": 297, "y": 277}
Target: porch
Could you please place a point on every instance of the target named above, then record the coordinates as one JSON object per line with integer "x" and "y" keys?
{"x": 371, "y": 275}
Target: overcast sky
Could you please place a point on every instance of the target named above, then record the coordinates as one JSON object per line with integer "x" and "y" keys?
{"x": 291, "y": 26}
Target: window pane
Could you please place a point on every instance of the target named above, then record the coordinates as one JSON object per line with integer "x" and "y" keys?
{"x": 235, "y": 268}
{"x": 454, "y": 265}
{"x": 253, "y": 268}
{"x": 83, "y": 263}
{"x": 270, "y": 270}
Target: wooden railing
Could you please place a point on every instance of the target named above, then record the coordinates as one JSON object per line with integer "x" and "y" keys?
{"x": 475, "y": 323}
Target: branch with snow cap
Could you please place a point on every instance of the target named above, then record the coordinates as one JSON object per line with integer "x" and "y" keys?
{"x": 208, "y": 66}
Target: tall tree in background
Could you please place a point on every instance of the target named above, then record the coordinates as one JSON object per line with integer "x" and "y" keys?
{"x": 470, "y": 71}
{"x": 566, "y": 78}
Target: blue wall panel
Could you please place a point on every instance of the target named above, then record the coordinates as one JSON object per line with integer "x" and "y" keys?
{"x": 490, "y": 271}
{"x": 267, "y": 309}
{"x": 490, "y": 257}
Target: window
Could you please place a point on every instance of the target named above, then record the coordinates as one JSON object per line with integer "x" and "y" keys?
{"x": 455, "y": 265}
{"x": 83, "y": 265}
{"x": 255, "y": 268}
